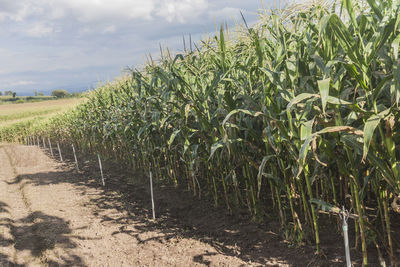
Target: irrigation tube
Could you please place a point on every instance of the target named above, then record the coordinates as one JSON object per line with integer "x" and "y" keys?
{"x": 345, "y": 216}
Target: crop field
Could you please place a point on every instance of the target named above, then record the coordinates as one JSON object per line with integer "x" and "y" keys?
{"x": 24, "y": 99}
{"x": 19, "y": 117}
{"x": 295, "y": 121}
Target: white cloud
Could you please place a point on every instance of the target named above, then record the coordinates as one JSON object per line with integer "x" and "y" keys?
{"x": 181, "y": 10}
{"x": 19, "y": 83}
{"x": 39, "y": 30}
{"x": 103, "y": 10}
{"x": 61, "y": 39}
{"x": 95, "y": 10}
{"x": 225, "y": 13}
{"x": 109, "y": 29}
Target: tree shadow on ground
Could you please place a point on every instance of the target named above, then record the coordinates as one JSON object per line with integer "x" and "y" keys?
{"x": 179, "y": 214}
{"x": 37, "y": 233}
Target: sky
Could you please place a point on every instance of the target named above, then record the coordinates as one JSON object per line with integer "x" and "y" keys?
{"x": 77, "y": 44}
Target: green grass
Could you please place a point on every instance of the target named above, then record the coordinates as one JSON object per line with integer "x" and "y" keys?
{"x": 23, "y": 99}
{"x": 26, "y": 114}
{"x": 17, "y": 119}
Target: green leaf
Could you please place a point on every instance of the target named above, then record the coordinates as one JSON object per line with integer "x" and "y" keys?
{"x": 324, "y": 206}
{"x": 306, "y": 145}
{"x": 172, "y": 137}
{"x": 374, "y": 160}
{"x": 378, "y": 89}
{"x": 300, "y": 98}
{"x": 369, "y": 129}
{"x": 215, "y": 147}
{"x": 349, "y": 6}
{"x": 375, "y": 8}
{"x": 323, "y": 86}
{"x": 245, "y": 111}
{"x": 383, "y": 36}
{"x": 396, "y": 66}
{"x": 261, "y": 171}
{"x": 304, "y": 149}
{"x": 306, "y": 129}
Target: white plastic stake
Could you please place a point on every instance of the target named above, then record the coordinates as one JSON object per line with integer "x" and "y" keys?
{"x": 101, "y": 169}
{"x": 38, "y": 142}
{"x": 59, "y": 151}
{"x": 44, "y": 143}
{"x": 344, "y": 216}
{"x": 51, "y": 149}
{"x": 152, "y": 196}
{"x": 76, "y": 160}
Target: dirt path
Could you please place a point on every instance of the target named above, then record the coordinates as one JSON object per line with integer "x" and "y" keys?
{"x": 47, "y": 220}
{"x": 51, "y": 215}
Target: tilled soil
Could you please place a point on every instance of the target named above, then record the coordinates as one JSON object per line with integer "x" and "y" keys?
{"x": 52, "y": 215}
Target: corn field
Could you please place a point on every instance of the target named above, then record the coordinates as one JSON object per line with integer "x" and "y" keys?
{"x": 293, "y": 117}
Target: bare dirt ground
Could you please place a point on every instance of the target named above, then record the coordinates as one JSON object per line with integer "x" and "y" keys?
{"x": 51, "y": 215}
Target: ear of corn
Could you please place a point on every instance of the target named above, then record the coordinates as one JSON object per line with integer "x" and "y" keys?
{"x": 302, "y": 107}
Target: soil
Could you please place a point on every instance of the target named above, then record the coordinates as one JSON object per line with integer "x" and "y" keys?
{"x": 54, "y": 215}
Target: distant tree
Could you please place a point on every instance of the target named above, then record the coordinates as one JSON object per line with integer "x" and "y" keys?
{"x": 36, "y": 93}
{"x": 59, "y": 93}
{"x": 8, "y": 92}
{"x": 14, "y": 94}
{"x": 41, "y": 94}
{"x": 1, "y": 93}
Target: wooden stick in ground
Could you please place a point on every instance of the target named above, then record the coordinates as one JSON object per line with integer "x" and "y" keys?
{"x": 76, "y": 160}
{"x": 101, "y": 169}
{"x": 51, "y": 149}
{"x": 59, "y": 151}
{"x": 38, "y": 142}
{"x": 152, "y": 196}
